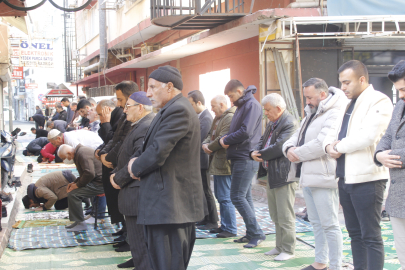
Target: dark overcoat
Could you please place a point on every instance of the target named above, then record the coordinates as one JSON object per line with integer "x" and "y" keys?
{"x": 128, "y": 196}
{"x": 169, "y": 167}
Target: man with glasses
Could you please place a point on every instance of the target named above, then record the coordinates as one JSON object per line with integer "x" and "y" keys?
{"x": 107, "y": 153}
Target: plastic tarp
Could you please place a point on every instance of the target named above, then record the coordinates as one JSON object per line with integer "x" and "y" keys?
{"x": 365, "y": 7}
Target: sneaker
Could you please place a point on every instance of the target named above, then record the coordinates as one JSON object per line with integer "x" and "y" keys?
{"x": 30, "y": 168}
{"x": 385, "y": 216}
{"x": 254, "y": 242}
{"x": 225, "y": 234}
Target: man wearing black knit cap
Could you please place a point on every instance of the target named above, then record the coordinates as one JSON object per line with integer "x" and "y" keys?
{"x": 168, "y": 166}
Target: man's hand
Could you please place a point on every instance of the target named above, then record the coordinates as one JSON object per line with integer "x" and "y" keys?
{"x": 96, "y": 154}
{"x": 105, "y": 162}
{"x": 105, "y": 115}
{"x": 292, "y": 156}
{"x": 130, "y": 169}
{"x": 221, "y": 141}
{"x": 71, "y": 187}
{"x": 389, "y": 161}
{"x": 38, "y": 209}
{"x": 113, "y": 182}
{"x": 256, "y": 156}
{"x": 205, "y": 149}
{"x": 332, "y": 153}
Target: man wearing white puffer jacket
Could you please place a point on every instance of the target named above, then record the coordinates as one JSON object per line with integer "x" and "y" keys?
{"x": 352, "y": 142}
{"x": 317, "y": 171}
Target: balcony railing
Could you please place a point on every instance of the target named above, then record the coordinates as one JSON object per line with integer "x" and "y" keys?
{"x": 195, "y": 14}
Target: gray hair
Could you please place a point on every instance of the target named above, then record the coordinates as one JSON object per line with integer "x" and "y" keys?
{"x": 92, "y": 101}
{"x": 48, "y": 123}
{"x": 275, "y": 100}
{"x": 220, "y": 99}
{"x": 64, "y": 149}
{"x": 319, "y": 84}
{"x": 148, "y": 108}
{"x": 106, "y": 103}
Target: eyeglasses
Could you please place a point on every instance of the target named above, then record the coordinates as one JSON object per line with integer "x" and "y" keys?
{"x": 126, "y": 106}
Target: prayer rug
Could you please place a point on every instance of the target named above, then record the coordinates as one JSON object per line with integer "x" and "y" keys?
{"x": 391, "y": 260}
{"x": 41, "y": 223}
{"x": 36, "y": 215}
{"x": 264, "y": 220}
{"x": 58, "y": 237}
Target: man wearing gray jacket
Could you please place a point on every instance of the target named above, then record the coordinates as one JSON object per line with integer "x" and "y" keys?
{"x": 316, "y": 170}
{"x": 390, "y": 153}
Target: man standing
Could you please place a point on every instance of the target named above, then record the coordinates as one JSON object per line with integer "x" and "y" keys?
{"x": 57, "y": 124}
{"x": 171, "y": 194}
{"x": 317, "y": 171}
{"x": 220, "y": 167}
{"x": 210, "y": 221}
{"x": 39, "y": 133}
{"x": 87, "y": 185}
{"x": 50, "y": 190}
{"x": 109, "y": 116}
{"x": 70, "y": 113}
{"x": 244, "y": 134}
{"x": 62, "y": 113}
{"x": 361, "y": 183}
{"x": 281, "y": 183}
{"x": 38, "y": 110}
{"x": 390, "y": 153}
{"x": 108, "y": 153}
{"x": 139, "y": 112}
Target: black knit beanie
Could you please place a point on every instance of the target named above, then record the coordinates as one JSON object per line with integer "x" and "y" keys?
{"x": 167, "y": 74}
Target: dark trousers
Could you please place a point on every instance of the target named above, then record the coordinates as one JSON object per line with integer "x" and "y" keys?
{"x": 111, "y": 195}
{"x": 361, "y": 205}
{"x": 61, "y": 204}
{"x": 137, "y": 243}
{"x": 170, "y": 245}
{"x": 212, "y": 216}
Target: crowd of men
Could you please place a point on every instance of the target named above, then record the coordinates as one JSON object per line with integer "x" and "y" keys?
{"x": 155, "y": 168}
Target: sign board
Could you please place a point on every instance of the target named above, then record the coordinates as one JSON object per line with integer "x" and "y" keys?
{"x": 41, "y": 97}
{"x": 16, "y": 52}
{"x": 18, "y": 72}
{"x": 31, "y": 85}
{"x": 36, "y": 53}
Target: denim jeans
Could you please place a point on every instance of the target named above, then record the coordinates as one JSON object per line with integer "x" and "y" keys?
{"x": 222, "y": 191}
{"x": 362, "y": 210}
{"x": 323, "y": 208}
{"x": 101, "y": 206}
{"x": 241, "y": 195}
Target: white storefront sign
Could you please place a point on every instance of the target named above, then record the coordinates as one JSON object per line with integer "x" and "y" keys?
{"x": 36, "y": 54}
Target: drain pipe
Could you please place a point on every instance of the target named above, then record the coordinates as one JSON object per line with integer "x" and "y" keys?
{"x": 103, "y": 41}
{"x": 307, "y": 4}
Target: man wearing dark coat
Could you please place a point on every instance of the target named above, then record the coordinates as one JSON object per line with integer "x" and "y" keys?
{"x": 139, "y": 112}
{"x": 38, "y": 110}
{"x": 210, "y": 221}
{"x": 39, "y": 120}
{"x": 62, "y": 113}
{"x": 171, "y": 193}
{"x": 35, "y": 146}
{"x": 39, "y": 133}
{"x": 107, "y": 154}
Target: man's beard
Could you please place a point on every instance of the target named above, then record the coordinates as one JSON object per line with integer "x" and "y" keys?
{"x": 313, "y": 109}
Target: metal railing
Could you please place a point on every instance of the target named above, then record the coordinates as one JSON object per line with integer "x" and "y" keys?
{"x": 162, "y": 8}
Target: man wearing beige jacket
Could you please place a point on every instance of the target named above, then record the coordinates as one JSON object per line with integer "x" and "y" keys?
{"x": 352, "y": 142}
{"x": 317, "y": 171}
{"x": 50, "y": 190}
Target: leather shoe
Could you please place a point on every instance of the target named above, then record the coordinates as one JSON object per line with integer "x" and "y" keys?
{"x": 217, "y": 230}
{"x": 120, "y": 239}
{"x": 225, "y": 234}
{"x": 119, "y": 244}
{"x": 208, "y": 227}
{"x": 127, "y": 264}
{"x": 120, "y": 232}
{"x": 123, "y": 248}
